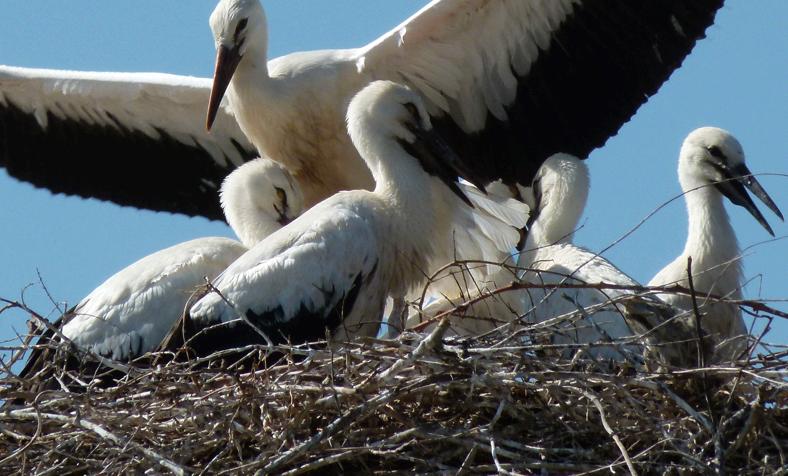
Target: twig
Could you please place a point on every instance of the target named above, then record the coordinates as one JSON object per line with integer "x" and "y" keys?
{"x": 429, "y": 343}
{"x": 640, "y": 290}
{"x": 696, "y": 313}
{"x": 610, "y": 432}
{"x": 101, "y": 432}
{"x": 335, "y": 426}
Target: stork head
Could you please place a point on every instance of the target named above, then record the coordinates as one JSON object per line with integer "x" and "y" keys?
{"x": 385, "y": 108}
{"x": 713, "y": 156}
{"x": 259, "y": 198}
{"x": 239, "y": 28}
{"x": 560, "y": 190}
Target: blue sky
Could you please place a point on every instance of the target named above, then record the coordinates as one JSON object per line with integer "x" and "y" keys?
{"x": 734, "y": 79}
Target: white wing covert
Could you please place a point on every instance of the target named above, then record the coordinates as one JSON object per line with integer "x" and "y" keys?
{"x": 296, "y": 284}
{"x": 130, "y": 313}
{"x": 564, "y": 74}
{"x": 72, "y": 131}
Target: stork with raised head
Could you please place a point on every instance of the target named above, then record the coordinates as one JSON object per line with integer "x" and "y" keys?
{"x": 711, "y": 166}
{"x": 332, "y": 268}
{"x": 480, "y": 66}
{"x": 132, "y": 311}
{"x": 507, "y": 82}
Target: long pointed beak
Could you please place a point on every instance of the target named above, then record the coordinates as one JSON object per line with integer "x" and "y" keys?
{"x": 755, "y": 187}
{"x": 733, "y": 188}
{"x": 437, "y": 158}
{"x": 227, "y": 60}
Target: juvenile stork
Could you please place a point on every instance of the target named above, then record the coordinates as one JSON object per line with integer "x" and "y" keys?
{"x": 711, "y": 166}
{"x": 131, "y": 312}
{"x": 560, "y": 191}
{"x": 507, "y": 83}
{"x": 331, "y": 269}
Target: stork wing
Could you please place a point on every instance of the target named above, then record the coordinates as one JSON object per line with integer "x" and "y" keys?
{"x": 564, "y": 74}
{"x": 129, "y": 313}
{"x": 135, "y": 139}
{"x": 302, "y": 280}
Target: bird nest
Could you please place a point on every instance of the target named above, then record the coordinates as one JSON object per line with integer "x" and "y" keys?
{"x": 423, "y": 403}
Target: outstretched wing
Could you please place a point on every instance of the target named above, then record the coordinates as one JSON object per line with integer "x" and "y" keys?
{"x": 510, "y": 82}
{"x": 136, "y": 139}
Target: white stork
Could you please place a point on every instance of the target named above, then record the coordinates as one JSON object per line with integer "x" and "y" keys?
{"x": 560, "y": 191}
{"x": 508, "y": 82}
{"x": 132, "y": 311}
{"x": 332, "y": 268}
{"x": 471, "y": 263}
{"x": 711, "y": 166}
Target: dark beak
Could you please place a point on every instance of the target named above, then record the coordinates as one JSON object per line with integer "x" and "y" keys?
{"x": 438, "y": 159}
{"x": 227, "y": 60}
{"x": 283, "y": 220}
{"x": 733, "y": 188}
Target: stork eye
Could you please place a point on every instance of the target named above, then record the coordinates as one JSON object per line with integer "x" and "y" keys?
{"x": 281, "y": 196}
{"x": 412, "y": 109}
{"x": 716, "y": 152}
{"x": 240, "y": 28}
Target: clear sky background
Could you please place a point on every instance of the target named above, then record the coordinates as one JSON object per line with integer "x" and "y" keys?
{"x": 737, "y": 79}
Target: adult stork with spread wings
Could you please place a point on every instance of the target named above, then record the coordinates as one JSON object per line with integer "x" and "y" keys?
{"x": 507, "y": 82}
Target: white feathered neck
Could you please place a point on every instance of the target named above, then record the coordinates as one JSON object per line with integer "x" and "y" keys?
{"x": 562, "y": 182}
{"x": 711, "y": 239}
{"x": 376, "y": 123}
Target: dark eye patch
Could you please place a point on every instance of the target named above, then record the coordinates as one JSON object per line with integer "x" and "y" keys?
{"x": 716, "y": 152}
{"x": 240, "y": 28}
{"x": 412, "y": 109}
{"x": 282, "y": 196}
{"x": 536, "y": 188}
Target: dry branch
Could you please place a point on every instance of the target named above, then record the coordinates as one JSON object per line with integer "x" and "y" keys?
{"x": 506, "y": 402}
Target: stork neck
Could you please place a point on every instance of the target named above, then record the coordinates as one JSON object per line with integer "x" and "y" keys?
{"x": 254, "y": 95}
{"x": 556, "y": 222}
{"x": 545, "y": 232}
{"x": 249, "y": 222}
{"x": 711, "y": 239}
{"x": 253, "y": 68}
{"x": 251, "y": 226}
{"x": 399, "y": 177}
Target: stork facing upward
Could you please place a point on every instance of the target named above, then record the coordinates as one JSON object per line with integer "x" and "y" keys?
{"x": 712, "y": 167}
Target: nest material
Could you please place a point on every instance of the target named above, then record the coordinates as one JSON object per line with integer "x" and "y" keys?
{"x": 424, "y": 403}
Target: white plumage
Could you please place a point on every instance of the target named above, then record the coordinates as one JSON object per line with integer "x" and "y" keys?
{"x": 485, "y": 234}
{"x": 561, "y": 189}
{"x": 711, "y": 166}
{"x": 333, "y": 267}
{"x": 468, "y": 59}
{"x": 61, "y": 125}
{"x": 507, "y": 83}
{"x": 132, "y": 311}
{"x": 151, "y": 103}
